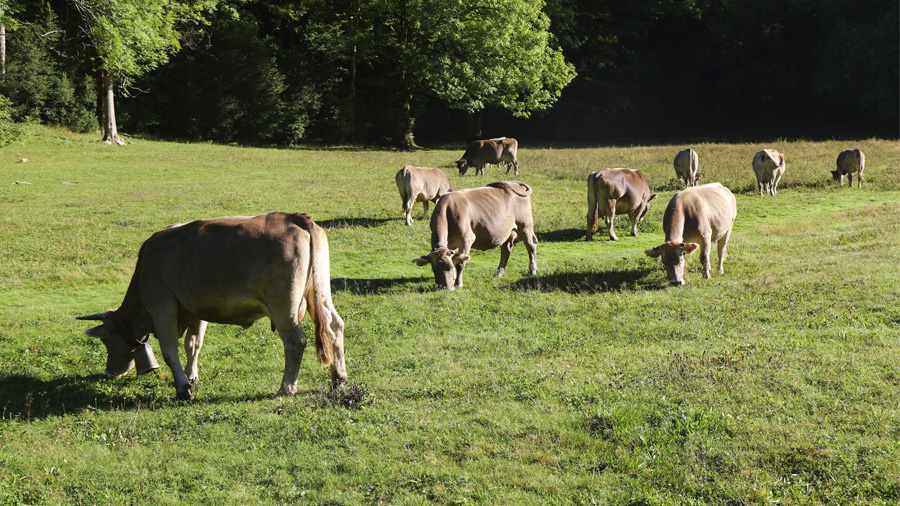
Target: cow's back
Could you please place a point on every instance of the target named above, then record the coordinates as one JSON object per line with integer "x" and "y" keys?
{"x": 225, "y": 269}
{"x": 700, "y": 210}
{"x": 850, "y": 161}
{"x": 628, "y": 187}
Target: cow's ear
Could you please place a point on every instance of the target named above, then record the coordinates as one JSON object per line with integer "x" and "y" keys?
{"x": 689, "y": 247}
{"x": 652, "y": 197}
{"x": 97, "y": 332}
{"x": 653, "y": 252}
{"x": 459, "y": 258}
{"x": 422, "y": 261}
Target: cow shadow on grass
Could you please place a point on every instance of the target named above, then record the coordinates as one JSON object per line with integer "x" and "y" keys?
{"x": 636, "y": 279}
{"x": 565, "y": 235}
{"x": 375, "y": 286}
{"x": 27, "y": 398}
{"x": 355, "y": 222}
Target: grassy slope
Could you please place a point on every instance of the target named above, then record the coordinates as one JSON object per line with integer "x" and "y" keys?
{"x": 590, "y": 383}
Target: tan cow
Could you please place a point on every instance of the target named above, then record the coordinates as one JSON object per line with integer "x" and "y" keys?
{"x": 498, "y": 214}
{"x": 502, "y": 149}
{"x": 702, "y": 214}
{"x": 768, "y": 165}
{"x": 420, "y": 184}
{"x": 848, "y": 162}
{"x": 611, "y": 191}
{"x": 686, "y": 164}
{"x": 232, "y": 270}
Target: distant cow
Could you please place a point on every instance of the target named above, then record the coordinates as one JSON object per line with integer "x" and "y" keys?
{"x": 420, "y": 184}
{"x": 848, "y": 162}
{"x": 481, "y": 218}
{"x": 768, "y": 165}
{"x": 611, "y": 191}
{"x": 232, "y": 270}
{"x": 498, "y": 150}
{"x": 686, "y": 163}
{"x": 701, "y": 214}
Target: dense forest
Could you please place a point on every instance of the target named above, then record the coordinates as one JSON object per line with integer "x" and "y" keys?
{"x": 407, "y": 72}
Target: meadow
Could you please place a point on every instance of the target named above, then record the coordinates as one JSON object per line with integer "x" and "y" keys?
{"x": 777, "y": 382}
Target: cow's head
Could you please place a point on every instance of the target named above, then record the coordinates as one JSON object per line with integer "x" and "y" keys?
{"x": 463, "y": 165}
{"x": 443, "y": 262}
{"x": 120, "y": 357}
{"x": 672, "y": 256}
{"x": 837, "y": 176}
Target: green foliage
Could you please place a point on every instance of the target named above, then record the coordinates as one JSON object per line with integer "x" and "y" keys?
{"x": 589, "y": 383}
{"x": 9, "y": 131}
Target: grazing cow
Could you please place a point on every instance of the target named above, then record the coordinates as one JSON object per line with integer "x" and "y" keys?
{"x": 686, "y": 163}
{"x": 701, "y": 214}
{"x": 498, "y": 150}
{"x": 768, "y": 165}
{"x": 481, "y": 218}
{"x": 612, "y": 191}
{"x": 232, "y": 270}
{"x": 848, "y": 162}
{"x": 420, "y": 184}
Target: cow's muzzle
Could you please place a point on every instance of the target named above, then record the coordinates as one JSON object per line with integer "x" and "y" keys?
{"x": 676, "y": 282}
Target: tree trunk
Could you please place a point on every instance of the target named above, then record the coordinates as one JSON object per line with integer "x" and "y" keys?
{"x": 404, "y": 120}
{"x": 474, "y": 121}
{"x": 110, "y": 133}
{"x": 3, "y": 51}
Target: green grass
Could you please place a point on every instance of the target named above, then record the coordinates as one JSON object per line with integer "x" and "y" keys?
{"x": 590, "y": 383}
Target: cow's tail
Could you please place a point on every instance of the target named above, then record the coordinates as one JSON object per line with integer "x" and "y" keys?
{"x": 518, "y": 187}
{"x": 320, "y": 290}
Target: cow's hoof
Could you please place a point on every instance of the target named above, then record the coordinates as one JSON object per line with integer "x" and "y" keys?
{"x": 286, "y": 392}
{"x": 500, "y": 273}
{"x": 613, "y": 238}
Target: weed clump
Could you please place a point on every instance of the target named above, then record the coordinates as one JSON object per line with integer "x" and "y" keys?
{"x": 348, "y": 396}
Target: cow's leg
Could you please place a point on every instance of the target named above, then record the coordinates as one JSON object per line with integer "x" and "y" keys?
{"x": 193, "y": 341}
{"x": 722, "y": 246}
{"x": 593, "y": 214}
{"x": 633, "y": 217}
{"x": 705, "y": 246}
{"x": 610, "y": 210}
{"x": 531, "y": 241}
{"x": 850, "y": 179}
{"x": 291, "y": 332}
{"x": 165, "y": 320}
{"x": 516, "y": 165}
{"x": 505, "y": 250}
{"x": 407, "y": 209}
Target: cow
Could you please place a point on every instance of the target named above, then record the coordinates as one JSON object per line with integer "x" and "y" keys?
{"x": 233, "y": 270}
{"x": 768, "y": 165}
{"x": 502, "y": 149}
{"x": 848, "y": 162}
{"x": 686, "y": 163}
{"x": 611, "y": 191}
{"x": 700, "y": 214}
{"x": 498, "y": 214}
{"x": 420, "y": 184}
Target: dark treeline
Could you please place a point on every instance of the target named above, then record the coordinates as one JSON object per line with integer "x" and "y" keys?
{"x": 323, "y": 71}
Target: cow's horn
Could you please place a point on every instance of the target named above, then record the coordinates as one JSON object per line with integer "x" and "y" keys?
{"x": 93, "y": 317}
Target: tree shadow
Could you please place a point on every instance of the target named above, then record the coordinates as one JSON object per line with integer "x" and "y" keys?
{"x": 374, "y": 286}
{"x": 635, "y": 279}
{"x": 355, "y": 222}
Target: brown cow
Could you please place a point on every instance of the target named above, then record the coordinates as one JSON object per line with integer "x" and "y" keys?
{"x": 420, "y": 184}
{"x": 848, "y": 162}
{"x": 686, "y": 164}
{"x": 481, "y": 218}
{"x": 701, "y": 214}
{"x": 768, "y": 165}
{"x": 612, "y": 191}
{"x": 232, "y": 270}
{"x": 502, "y": 149}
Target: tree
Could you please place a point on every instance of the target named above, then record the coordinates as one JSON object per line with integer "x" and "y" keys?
{"x": 130, "y": 37}
{"x": 469, "y": 54}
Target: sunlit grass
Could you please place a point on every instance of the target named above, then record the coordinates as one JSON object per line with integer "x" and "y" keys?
{"x": 590, "y": 383}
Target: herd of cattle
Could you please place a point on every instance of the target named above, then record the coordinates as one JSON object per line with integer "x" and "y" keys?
{"x": 238, "y": 269}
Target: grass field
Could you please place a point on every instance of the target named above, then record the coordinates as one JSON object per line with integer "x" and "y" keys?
{"x": 777, "y": 382}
